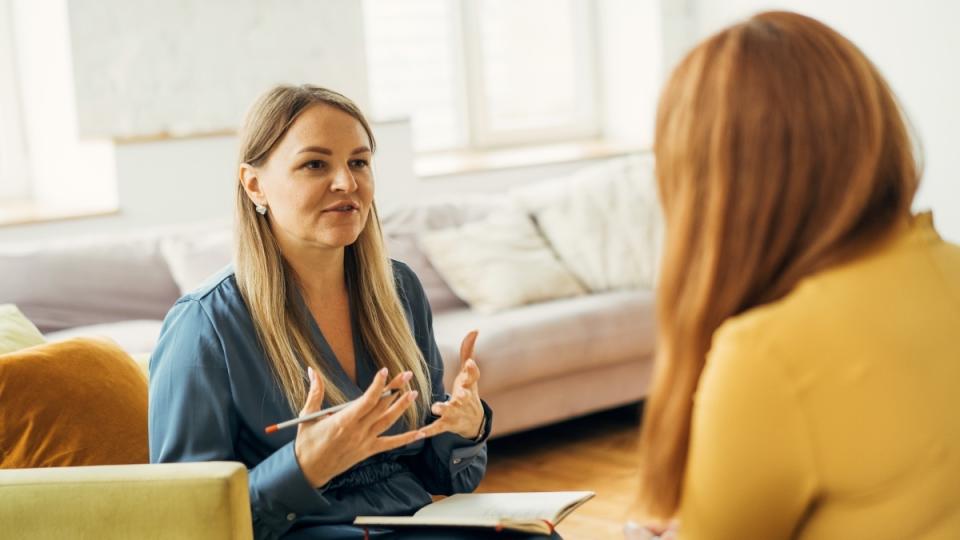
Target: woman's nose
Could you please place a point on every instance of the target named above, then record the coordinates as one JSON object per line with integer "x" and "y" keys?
{"x": 343, "y": 181}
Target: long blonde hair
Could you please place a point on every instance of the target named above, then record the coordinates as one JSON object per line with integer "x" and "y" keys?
{"x": 268, "y": 284}
{"x": 780, "y": 151}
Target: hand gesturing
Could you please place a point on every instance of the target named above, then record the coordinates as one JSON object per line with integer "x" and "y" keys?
{"x": 328, "y": 446}
{"x": 463, "y": 413}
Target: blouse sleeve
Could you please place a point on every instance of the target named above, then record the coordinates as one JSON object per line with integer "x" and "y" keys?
{"x": 750, "y": 470}
{"x": 192, "y": 417}
{"x": 448, "y": 463}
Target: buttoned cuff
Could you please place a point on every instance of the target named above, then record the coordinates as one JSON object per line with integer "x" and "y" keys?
{"x": 459, "y": 451}
{"x": 279, "y": 491}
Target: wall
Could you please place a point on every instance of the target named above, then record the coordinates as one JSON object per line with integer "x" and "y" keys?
{"x": 639, "y": 40}
{"x": 629, "y": 37}
{"x": 914, "y": 44}
{"x": 143, "y": 67}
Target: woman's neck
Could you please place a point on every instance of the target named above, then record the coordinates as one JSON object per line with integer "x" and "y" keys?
{"x": 318, "y": 271}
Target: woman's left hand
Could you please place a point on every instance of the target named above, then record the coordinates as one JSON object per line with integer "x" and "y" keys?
{"x": 463, "y": 413}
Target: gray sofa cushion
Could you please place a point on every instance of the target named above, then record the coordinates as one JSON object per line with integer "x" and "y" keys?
{"x": 87, "y": 281}
{"x": 540, "y": 341}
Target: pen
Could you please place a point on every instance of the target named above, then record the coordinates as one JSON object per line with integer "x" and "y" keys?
{"x": 315, "y": 415}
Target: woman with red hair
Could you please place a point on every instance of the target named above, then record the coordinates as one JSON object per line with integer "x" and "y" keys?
{"x": 808, "y": 372}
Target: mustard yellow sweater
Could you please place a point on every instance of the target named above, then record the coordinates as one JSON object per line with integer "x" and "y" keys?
{"x": 835, "y": 412}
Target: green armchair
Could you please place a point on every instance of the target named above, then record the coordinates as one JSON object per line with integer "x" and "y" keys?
{"x": 177, "y": 500}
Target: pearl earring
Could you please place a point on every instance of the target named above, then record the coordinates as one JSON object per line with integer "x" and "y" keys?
{"x": 261, "y": 209}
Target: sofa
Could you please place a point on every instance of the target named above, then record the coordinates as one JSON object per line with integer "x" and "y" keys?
{"x": 541, "y": 362}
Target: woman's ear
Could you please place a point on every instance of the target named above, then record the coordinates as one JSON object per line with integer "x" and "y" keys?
{"x": 250, "y": 179}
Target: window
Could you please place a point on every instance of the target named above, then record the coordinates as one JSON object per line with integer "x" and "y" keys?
{"x": 484, "y": 74}
{"x": 46, "y": 170}
{"x": 14, "y": 181}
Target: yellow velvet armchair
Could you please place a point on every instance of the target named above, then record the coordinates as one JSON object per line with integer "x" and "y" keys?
{"x": 74, "y": 452}
{"x": 177, "y": 500}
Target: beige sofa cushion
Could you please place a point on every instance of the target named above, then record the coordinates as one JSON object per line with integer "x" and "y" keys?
{"x": 603, "y": 222}
{"x": 541, "y": 341}
{"x": 403, "y": 225}
{"x": 499, "y": 263}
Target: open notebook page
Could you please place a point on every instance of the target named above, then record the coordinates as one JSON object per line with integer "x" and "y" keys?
{"x": 552, "y": 506}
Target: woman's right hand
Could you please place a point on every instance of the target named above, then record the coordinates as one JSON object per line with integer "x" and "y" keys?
{"x": 329, "y": 446}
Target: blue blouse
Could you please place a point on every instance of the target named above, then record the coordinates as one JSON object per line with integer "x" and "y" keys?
{"x": 212, "y": 393}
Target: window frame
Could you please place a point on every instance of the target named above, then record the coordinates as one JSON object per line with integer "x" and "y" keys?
{"x": 474, "y": 131}
{"x": 588, "y": 126}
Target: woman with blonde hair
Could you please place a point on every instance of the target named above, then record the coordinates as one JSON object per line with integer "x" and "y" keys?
{"x": 313, "y": 314}
{"x": 808, "y": 370}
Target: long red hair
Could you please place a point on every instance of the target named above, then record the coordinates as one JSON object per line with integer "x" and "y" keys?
{"x": 780, "y": 151}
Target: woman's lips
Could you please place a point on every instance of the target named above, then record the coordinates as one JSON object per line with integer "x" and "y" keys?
{"x": 345, "y": 212}
{"x": 342, "y": 206}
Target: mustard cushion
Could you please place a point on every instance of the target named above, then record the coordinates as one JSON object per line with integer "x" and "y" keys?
{"x": 16, "y": 331}
{"x": 77, "y": 402}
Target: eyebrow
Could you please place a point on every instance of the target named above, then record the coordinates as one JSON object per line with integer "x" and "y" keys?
{"x": 327, "y": 151}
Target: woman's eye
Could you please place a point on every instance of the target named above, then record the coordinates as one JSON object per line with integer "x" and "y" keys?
{"x": 314, "y": 164}
{"x": 359, "y": 163}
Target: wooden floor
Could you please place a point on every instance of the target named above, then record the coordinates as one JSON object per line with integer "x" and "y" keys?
{"x": 595, "y": 453}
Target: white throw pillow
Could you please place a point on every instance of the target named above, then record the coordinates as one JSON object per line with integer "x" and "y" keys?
{"x": 499, "y": 262}
{"x": 193, "y": 256}
{"x": 603, "y": 222}
{"x": 403, "y": 225}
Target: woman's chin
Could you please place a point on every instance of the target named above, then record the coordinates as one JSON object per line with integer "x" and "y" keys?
{"x": 337, "y": 240}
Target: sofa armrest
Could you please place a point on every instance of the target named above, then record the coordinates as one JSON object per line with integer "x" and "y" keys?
{"x": 173, "y": 500}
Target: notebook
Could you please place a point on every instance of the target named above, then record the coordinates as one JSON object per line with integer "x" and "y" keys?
{"x": 535, "y": 513}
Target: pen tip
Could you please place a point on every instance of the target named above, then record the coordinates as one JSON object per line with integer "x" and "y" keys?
{"x": 271, "y": 429}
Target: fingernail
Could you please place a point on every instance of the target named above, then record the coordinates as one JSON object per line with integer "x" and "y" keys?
{"x": 413, "y": 394}
{"x": 407, "y": 375}
{"x": 310, "y": 373}
{"x": 383, "y": 372}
